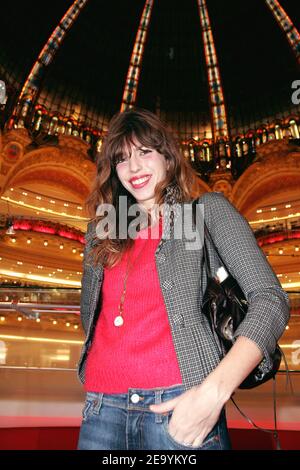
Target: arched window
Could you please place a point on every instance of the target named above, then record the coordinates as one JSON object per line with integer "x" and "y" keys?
{"x": 245, "y": 147}
{"x": 197, "y": 152}
{"x": 53, "y": 125}
{"x": 264, "y": 136}
{"x": 87, "y": 137}
{"x": 69, "y": 128}
{"x": 259, "y": 139}
{"x": 37, "y": 120}
{"x": 45, "y": 123}
{"x": 251, "y": 142}
{"x": 238, "y": 147}
{"x": 294, "y": 129}
{"x": 278, "y": 132}
{"x": 191, "y": 152}
{"x": 228, "y": 150}
{"x": 222, "y": 148}
{"x": 99, "y": 144}
{"x": 205, "y": 150}
{"x": 61, "y": 127}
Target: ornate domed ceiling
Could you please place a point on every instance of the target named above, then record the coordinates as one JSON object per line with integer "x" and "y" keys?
{"x": 193, "y": 55}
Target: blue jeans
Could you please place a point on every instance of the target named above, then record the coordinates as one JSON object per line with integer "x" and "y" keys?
{"x": 123, "y": 421}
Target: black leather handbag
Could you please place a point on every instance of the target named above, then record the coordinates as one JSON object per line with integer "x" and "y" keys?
{"x": 225, "y": 306}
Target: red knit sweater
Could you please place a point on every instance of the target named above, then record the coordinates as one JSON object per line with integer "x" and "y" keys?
{"x": 140, "y": 353}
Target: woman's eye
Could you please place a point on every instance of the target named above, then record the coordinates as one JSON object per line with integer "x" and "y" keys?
{"x": 145, "y": 151}
{"x": 119, "y": 159}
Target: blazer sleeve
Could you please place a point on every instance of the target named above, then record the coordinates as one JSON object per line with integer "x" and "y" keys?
{"x": 85, "y": 281}
{"x": 269, "y": 308}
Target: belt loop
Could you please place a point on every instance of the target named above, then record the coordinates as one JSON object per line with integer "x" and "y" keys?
{"x": 158, "y": 394}
{"x": 98, "y": 403}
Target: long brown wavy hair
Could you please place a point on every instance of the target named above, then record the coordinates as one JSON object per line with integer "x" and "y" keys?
{"x": 150, "y": 131}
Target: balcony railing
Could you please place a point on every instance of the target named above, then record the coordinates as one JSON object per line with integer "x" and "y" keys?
{"x": 41, "y": 328}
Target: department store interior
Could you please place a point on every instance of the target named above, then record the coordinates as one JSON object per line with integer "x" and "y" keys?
{"x": 225, "y": 76}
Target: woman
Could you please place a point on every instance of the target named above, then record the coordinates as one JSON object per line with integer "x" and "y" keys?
{"x": 151, "y": 370}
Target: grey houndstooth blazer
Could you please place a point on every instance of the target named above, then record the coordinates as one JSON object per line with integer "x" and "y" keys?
{"x": 183, "y": 281}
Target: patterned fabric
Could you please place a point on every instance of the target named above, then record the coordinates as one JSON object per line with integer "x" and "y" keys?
{"x": 140, "y": 353}
{"x": 183, "y": 281}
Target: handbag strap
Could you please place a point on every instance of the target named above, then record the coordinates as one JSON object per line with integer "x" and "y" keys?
{"x": 207, "y": 236}
{"x": 274, "y": 431}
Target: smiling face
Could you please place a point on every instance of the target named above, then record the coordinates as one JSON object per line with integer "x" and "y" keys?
{"x": 140, "y": 172}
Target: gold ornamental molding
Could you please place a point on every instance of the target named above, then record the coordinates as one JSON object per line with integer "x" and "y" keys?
{"x": 276, "y": 171}
{"x": 65, "y": 165}
{"x": 15, "y": 135}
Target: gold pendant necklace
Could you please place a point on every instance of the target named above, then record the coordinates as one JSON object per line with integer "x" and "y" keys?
{"x": 119, "y": 320}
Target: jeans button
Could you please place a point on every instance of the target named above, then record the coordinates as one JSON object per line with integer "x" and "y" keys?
{"x": 135, "y": 398}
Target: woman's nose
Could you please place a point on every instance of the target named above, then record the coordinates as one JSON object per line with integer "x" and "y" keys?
{"x": 134, "y": 162}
